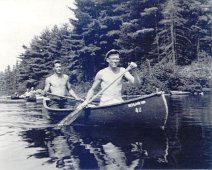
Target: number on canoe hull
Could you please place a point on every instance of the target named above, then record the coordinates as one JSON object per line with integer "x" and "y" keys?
{"x": 137, "y": 106}
{"x": 138, "y": 110}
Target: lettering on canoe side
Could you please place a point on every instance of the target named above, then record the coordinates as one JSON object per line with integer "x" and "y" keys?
{"x": 136, "y": 103}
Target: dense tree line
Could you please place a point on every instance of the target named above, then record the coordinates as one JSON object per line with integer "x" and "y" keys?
{"x": 162, "y": 36}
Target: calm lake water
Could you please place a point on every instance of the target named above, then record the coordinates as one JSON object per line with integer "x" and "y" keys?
{"x": 27, "y": 143}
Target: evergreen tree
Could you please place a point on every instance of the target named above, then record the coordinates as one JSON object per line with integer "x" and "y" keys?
{"x": 153, "y": 32}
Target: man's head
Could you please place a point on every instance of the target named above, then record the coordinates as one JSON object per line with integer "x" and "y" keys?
{"x": 111, "y": 52}
{"x": 57, "y": 67}
{"x": 113, "y": 58}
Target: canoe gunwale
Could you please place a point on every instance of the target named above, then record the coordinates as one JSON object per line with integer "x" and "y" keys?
{"x": 55, "y": 109}
{"x": 125, "y": 101}
{"x": 179, "y": 92}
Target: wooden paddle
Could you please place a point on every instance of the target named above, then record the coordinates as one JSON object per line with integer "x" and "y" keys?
{"x": 67, "y": 97}
{"x": 73, "y": 115}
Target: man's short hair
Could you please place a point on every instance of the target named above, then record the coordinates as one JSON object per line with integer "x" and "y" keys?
{"x": 56, "y": 62}
{"x": 113, "y": 51}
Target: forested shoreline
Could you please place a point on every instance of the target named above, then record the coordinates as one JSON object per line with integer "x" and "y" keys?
{"x": 170, "y": 40}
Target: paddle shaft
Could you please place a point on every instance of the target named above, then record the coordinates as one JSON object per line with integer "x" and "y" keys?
{"x": 73, "y": 115}
{"x": 64, "y": 97}
{"x": 67, "y": 97}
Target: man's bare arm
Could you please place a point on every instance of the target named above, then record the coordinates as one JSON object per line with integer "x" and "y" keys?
{"x": 90, "y": 93}
{"x": 71, "y": 91}
{"x": 96, "y": 83}
{"x": 47, "y": 85}
{"x": 134, "y": 79}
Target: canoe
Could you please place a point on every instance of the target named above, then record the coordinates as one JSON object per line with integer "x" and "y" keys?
{"x": 15, "y": 97}
{"x": 55, "y": 114}
{"x": 179, "y": 92}
{"x": 149, "y": 110}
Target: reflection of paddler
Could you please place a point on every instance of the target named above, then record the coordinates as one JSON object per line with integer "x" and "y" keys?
{"x": 115, "y": 158}
{"x": 117, "y": 145}
{"x": 59, "y": 149}
{"x": 154, "y": 141}
{"x": 108, "y": 156}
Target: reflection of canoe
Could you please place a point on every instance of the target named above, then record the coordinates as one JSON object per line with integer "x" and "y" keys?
{"x": 145, "y": 110}
{"x": 179, "y": 92}
{"x": 154, "y": 141}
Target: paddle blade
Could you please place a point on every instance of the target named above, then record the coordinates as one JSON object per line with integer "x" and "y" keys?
{"x": 70, "y": 118}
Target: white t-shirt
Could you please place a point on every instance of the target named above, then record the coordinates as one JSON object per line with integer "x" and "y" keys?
{"x": 113, "y": 93}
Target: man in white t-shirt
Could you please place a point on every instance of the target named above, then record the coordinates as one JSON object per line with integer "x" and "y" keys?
{"x": 107, "y": 75}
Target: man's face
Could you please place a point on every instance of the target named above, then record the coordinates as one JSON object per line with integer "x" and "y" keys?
{"x": 113, "y": 60}
{"x": 58, "y": 68}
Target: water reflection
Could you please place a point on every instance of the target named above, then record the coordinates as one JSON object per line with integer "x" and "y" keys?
{"x": 192, "y": 109}
{"x": 189, "y": 130}
{"x": 185, "y": 142}
{"x": 99, "y": 148}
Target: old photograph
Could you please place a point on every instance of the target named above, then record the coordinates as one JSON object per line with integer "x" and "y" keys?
{"x": 105, "y": 84}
